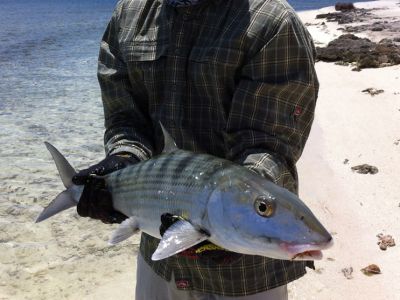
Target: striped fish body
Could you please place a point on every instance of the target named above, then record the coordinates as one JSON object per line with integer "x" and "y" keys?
{"x": 216, "y": 199}
{"x": 179, "y": 183}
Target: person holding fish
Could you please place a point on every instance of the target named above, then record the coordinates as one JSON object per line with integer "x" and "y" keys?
{"x": 230, "y": 78}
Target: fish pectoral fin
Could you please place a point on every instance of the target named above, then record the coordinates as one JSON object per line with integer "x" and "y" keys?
{"x": 179, "y": 236}
{"x": 125, "y": 230}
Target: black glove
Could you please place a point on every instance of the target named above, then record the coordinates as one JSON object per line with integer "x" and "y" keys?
{"x": 206, "y": 251}
{"x": 96, "y": 200}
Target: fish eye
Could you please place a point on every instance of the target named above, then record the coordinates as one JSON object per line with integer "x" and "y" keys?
{"x": 265, "y": 206}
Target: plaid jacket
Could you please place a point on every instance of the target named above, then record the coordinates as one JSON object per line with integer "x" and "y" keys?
{"x": 232, "y": 78}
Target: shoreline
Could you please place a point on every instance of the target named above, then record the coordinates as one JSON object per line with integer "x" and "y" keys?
{"x": 68, "y": 257}
{"x": 352, "y": 127}
{"x": 325, "y": 31}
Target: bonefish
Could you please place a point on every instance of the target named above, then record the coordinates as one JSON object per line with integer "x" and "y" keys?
{"x": 216, "y": 200}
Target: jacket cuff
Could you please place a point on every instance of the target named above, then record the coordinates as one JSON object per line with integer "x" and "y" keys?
{"x": 265, "y": 165}
{"x": 272, "y": 168}
{"x": 136, "y": 149}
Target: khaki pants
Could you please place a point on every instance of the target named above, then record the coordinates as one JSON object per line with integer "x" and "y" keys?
{"x": 150, "y": 286}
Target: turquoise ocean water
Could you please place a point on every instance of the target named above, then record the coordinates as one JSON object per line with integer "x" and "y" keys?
{"x": 48, "y": 51}
{"x": 48, "y": 85}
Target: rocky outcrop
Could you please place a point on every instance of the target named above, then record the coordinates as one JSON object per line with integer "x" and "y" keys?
{"x": 364, "y": 53}
{"x": 391, "y": 27}
{"x": 347, "y": 16}
{"x": 364, "y": 21}
{"x": 344, "y": 6}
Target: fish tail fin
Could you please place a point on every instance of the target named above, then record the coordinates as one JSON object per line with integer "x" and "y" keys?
{"x": 69, "y": 197}
{"x": 65, "y": 170}
{"x": 63, "y": 201}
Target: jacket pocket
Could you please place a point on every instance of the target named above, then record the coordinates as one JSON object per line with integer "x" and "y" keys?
{"x": 143, "y": 50}
{"x": 146, "y": 59}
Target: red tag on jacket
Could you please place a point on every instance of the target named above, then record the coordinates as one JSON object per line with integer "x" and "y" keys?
{"x": 182, "y": 284}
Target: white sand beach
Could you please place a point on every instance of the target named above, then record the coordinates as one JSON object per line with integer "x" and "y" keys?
{"x": 67, "y": 257}
{"x": 363, "y": 129}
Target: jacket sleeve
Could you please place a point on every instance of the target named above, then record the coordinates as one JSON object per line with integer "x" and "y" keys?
{"x": 273, "y": 105}
{"x": 127, "y": 122}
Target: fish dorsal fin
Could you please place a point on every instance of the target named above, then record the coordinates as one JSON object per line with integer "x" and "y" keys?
{"x": 169, "y": 143}
{"x": 179, "y": 236}
{"x": 125, "y": 230}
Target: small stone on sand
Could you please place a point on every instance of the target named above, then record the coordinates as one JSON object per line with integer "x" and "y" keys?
{"x": 365, "y": 169}
{"x": 347, "y": 272}
{"x": 373, "y": 91}
{"x": 371, "y": 270}
{"x": 330, "y": 259}
{"x": 385, "y": 241}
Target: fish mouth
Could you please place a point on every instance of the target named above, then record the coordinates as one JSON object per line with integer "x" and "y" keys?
{"x": 306, "y": 251}
{"x": 308, "y": 255}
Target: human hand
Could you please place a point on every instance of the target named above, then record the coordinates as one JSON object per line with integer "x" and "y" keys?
{"x": 206, "y": 251}
{"x": 96, "y": 200}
